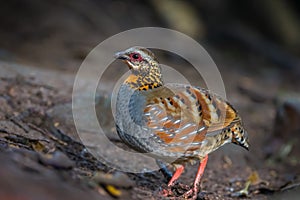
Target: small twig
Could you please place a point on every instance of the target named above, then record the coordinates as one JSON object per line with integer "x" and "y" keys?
{"x": 20, "y": 124}
{"x": 290, "y": 186}
{"x": 14, "y": 143}
{"x": 46, "y": 134}
{"x": 4, "y": 131}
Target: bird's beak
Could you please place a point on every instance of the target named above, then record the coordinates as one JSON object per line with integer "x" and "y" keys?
{"x": 121, "y": 55}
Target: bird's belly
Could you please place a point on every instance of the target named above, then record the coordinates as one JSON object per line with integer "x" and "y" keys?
{"x": 162, "y": 151}
{"x": 147, "y": 142}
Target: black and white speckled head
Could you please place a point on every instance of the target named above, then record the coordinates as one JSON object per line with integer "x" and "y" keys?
{"x": 143, "y": 65}
{"x": 138, "y": 58}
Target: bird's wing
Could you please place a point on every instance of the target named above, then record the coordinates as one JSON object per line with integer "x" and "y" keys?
{"x": 183, "y": 115}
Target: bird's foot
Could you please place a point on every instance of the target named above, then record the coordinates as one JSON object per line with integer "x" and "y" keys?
{"x": 191, "y": 193}
{"x": 175, "y": 190}
{"x": 167, "y": 192}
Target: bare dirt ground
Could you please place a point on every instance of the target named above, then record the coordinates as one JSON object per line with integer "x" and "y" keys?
{"x": 41, "y": 156}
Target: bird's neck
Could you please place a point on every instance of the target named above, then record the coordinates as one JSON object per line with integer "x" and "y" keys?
{"x": 148, "y": 82}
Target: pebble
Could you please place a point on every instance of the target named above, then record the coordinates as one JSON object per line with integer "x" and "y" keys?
{"x": 117, "y": 179}
{"x": 57, "y": 160}
{"x": 287, "y": 115}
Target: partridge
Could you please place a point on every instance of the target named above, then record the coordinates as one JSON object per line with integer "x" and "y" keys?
{"x": 174, "y": 123}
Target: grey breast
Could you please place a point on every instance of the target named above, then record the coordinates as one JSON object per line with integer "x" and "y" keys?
{"x": 130, "y": 119}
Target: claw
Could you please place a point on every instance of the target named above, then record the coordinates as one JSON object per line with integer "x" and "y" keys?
{"x": 167, "y": 192}
{"x": 191, "y": 194}
{"x": 180, "y": 191}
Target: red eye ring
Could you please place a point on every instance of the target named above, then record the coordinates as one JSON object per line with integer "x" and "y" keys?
{"x": 135, "y": 56}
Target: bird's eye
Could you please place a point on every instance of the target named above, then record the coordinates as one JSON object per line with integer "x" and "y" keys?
{"x": 136, "y": 56}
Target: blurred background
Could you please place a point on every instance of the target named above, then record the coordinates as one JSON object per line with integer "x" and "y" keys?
{"x": 255, "y": 45}
{"x": 56, "y": 32}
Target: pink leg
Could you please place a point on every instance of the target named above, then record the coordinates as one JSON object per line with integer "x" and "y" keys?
{"x": 176, "y": 175}
{"x": 200, "y": 171}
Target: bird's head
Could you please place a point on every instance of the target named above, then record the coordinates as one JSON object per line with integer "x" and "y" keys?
{"x": 138, "y": 59}
{"x": 143, "y": 65}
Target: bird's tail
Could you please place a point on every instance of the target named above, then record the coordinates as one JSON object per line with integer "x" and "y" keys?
{"x": 239, "y": 135}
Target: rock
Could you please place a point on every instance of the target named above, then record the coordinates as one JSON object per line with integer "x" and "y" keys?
{"x": 57, "y": 160}
{"x": 287, "y": 116}
{"x": 118, "y": 179}
{"x": 282, "y": 144}
{"x": 34, "y": 181}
